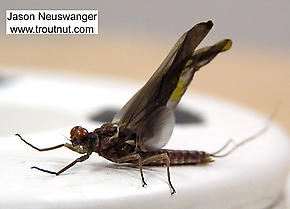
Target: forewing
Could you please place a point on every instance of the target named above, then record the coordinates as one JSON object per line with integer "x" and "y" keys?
{"x": 128, "y": 109}
{"x": 157, "y": 91}
{"x": 159, "y": 125}
{"x": 199, "y": 58}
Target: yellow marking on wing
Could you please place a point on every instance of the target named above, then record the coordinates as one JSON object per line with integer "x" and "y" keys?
{"x": 228, "y": 44}
{"x": 189, "y": 62}
{"x": 178, "y": 91}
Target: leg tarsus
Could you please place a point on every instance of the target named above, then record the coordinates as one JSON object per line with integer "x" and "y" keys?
{"x": 144, "y": 183}
{"x": 133, "y": 157}
{"x": 43, "y": 170}
{"x": 169, "y": 181}
{"x": 40, "y": 150}
{"x": 168, "y": 175}
{"x": 141, "y": 171}
{"x": 161, "y": 158}
{"x": 78, "y": 160}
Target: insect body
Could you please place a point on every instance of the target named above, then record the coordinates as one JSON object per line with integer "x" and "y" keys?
{"x": 144, "y": 125}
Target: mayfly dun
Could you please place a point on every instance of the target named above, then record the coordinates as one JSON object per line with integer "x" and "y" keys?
{"x": 145, "y": 123}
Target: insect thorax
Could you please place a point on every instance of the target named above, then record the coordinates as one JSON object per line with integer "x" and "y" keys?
{"x": 115, "y": 142}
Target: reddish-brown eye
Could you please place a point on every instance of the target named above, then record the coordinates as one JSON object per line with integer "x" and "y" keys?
{"x": 81, "y": 133}
{"x": 73, "y": 130}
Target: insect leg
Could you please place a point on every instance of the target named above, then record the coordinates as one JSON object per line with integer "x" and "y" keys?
{"x": 133, "y": 157}
{"x": 40, "y": 150}
{"x": 163, "y": 157}
{"x": 69, "y": 146}
{"x": 143, "y": 161}
{"x": 128, "y": 158}
{"x": 141, "y": 171}
{"x": 78, "y": 160}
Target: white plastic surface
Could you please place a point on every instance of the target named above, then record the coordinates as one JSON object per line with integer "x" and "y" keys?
{"x": 43, "y": 109}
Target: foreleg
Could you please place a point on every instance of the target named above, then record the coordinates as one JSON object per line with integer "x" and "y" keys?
{"x": 78, "y": 160}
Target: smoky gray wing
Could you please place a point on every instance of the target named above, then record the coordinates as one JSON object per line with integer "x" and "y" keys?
{"x": 157, "y": 129}
{"x": 123, "y": 115}
{"x": 157, "y": 91}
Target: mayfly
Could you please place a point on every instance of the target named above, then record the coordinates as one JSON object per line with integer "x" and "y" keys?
{"x": 143, "y": 126}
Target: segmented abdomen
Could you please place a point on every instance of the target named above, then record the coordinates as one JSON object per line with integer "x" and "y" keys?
{"x": 182, "y": 157}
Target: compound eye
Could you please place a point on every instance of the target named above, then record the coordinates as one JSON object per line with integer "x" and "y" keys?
{"x": 73, "y": 130}
{"x": 79, "y": 133}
